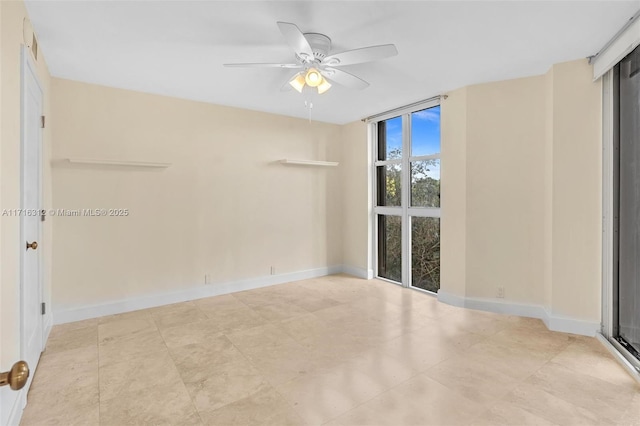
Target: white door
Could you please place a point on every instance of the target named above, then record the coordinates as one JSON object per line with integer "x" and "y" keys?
{"x": 31, "y": 244}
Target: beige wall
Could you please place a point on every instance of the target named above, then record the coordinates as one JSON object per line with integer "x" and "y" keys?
{"x": 521, "y": 180}
{"x": 11, "y": 39}
{"x": 356, "y": 198}
{"x": 577, "y": 192}
{"x": 504, "y": 211}
{"x": 224, "y": 207}
{"x": 453, "y": 175}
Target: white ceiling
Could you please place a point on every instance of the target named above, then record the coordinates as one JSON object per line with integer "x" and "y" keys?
{"x": 177, "y": 48}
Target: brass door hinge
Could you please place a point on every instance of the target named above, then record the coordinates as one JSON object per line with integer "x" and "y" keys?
{"x": 43, "y": 309}
{"x": 42, "y": 121}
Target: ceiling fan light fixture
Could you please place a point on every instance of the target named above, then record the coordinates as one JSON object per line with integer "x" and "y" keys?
{"x": 313, "y": 77}
{"x": 298, "y": 82}
{"x": 324, "y": 86}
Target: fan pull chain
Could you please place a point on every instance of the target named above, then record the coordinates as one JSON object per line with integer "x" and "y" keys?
{"x": 308, "y": 105}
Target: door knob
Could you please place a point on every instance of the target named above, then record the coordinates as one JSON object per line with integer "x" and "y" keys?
{"x": 33, "y": 245}
{"x": 17, "y": 377}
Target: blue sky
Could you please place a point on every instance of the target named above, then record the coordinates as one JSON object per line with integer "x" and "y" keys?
{"x": 425, "y": 135}
{"x": 425, "y": 132}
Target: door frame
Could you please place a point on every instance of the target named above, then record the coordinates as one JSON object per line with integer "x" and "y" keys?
{"x": 28, "y": 66}
{"x": 609, "y": 239}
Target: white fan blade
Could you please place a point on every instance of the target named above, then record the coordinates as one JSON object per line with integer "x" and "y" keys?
{"x": 344, "y": 78}
{"x": 254, "y": 65}
{"x": 358, "y": 56}
{"x": 296, "y": 40}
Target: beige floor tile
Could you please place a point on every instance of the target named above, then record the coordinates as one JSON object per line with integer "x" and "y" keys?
{"x": 314, "y": 303}
{"x": 75, "y": 368}
{"x": 219, "y": 304}
{"x": 388, "y": 409}
{"x": 61, "y": 340}
{"x": 416, "y": 352}
{"x": 117, "y": 328}
{"x": 443, "y": 405}
{"x": 265, "y": 407}
{"x": 386, "y": 371}
{"x": 631, "y": 416}
{"x": 533, "y": 339}
{"x": 195, "y": 333}
{"x": 514, "y": 361}
{"x": 588, "y": 356}
{"x": 419, "y": 401}
{"x": 321, "y": 397}
{"x": 196, "y": 361}
{"x": 542, "y": 404}
{"x": 138, "y": 344}
{"x": 235, "y": 320}
{"x": 225, "y": 383}
{"x": 279, "y": 311}
{"x": 503, "y": 414}
{"x": 254, "y": 298}
{"x": 612, "y": 400}
{"x": 74, "y": 325}
{"x": 138, "y": 374}
{"x": 142, "y": 313}
{"x": 164, "y": 405}
{"x": 472, "y": 379}
{"x": 177, "y": 314}
{"x": 304, "y": 327}
{"x": 264, "y": 336}
{"x": 334, "y": 350}
{"x": 75, "y": 412}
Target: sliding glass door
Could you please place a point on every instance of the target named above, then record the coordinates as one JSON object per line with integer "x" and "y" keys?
{"x": 407, "y": 190}
{"x": 627, "y": 87}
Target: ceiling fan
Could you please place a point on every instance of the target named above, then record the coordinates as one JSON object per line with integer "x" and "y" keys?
{"x": 319, "y": 67}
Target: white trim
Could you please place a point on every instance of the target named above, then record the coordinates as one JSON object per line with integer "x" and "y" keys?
{"x": 607, "y": 204}
{"x": 123, "y": 163}
{"x": 407, "y": 109}
{"x": 619, "y": 357}
{"x": 424, "y": 157}
{"x": 622, "y": 44}
{"x": 310, "y": 163}
{"x": 424, "y": 211}
{"x": 553, "y": 322}
{"x": 61, "y": 316}
{"x": 379, "y": 163}
{"x": 19, "y": 403}
{"x": 388, "y": 210}
{"x": 366, "y": 274}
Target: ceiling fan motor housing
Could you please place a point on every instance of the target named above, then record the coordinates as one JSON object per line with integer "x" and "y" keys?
{"x": 320, "y": 44}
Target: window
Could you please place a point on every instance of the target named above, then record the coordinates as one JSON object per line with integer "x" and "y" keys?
{"x": 408, "y": 198}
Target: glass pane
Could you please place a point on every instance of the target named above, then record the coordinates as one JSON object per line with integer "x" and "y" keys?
{"x": 425, "y": 132}
{"x": 425, "y": 253}
{"x": 425, "y": 183}
{"x": 390, "y": 139}
{"x": 389, "y": 181}
{"x": 390, "y": 247}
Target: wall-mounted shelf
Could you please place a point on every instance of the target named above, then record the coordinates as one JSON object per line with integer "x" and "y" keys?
{"x": 310, "y": 163}
{"x": 117, "y": 163}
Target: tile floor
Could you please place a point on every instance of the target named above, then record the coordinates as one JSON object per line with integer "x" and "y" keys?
{"x": 336, "y": 350}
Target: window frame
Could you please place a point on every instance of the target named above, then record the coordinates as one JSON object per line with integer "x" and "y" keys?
{"x": 405, "y": 211}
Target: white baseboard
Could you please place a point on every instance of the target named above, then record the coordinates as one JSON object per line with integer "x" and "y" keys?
{"x": 61, "y": 316}
{"x": 367, "y": 274}
{"x": 553, "y": 322}
{"x": 17, "y": 408}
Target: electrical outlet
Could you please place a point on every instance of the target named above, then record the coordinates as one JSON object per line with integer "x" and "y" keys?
{"x": 273, "y": 270}
{"x": 500, "y": 293}
{"x": 207, "y": 278}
